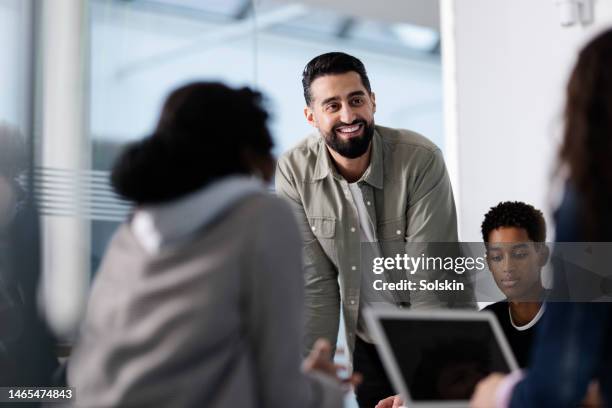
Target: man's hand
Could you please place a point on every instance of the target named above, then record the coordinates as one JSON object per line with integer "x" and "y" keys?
{"x": 390, "y": 402}
{"x": 320, "y": 359}
{"x": 486, "y": 390}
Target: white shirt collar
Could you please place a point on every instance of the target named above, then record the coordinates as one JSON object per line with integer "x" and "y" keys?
{"x": 533, "y": 321}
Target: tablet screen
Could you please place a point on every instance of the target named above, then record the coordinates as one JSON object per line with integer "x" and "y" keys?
{"x": 443, "y": 359}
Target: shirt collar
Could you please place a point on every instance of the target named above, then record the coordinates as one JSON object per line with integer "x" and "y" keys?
{"x": 373, "y": 174}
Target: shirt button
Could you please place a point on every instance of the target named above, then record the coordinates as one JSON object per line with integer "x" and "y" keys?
{"x": 354, "y": 267}
{"x": 369, "y": 203}
{"x": 352, "y": 302}
{"x": 314, "y": 228}
{"x": 398, "y": 232}
{"x": 352, "y": 229}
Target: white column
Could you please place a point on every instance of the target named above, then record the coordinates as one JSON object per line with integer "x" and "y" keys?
{"x": 449, "y": 86}
{"x": 64, "y": 144}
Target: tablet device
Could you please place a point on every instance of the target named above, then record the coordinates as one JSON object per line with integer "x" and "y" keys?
{"x": 435, "y": 358}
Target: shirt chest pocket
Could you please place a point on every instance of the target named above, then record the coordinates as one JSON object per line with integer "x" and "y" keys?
{"x": 323, "y": 227}
{"x": 392, "y": 230}
{"x": 323, "y": 245}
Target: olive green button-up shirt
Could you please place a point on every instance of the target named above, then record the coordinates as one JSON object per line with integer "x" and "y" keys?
{"x": 409, "y": 199}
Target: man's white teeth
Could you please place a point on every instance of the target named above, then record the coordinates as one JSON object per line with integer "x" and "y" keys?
{"x": 349, "y": 129}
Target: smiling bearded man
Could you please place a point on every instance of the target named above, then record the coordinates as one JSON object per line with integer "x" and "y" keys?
{"x": 346, "y": 140}
{"x": 355, "y": 182}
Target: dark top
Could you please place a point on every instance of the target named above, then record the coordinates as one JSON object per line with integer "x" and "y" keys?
{"x": 520, "y": 340}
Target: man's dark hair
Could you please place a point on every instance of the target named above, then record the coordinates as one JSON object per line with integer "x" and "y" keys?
{"x": 332, "y": 63}
{"x": 197, "y": 141}
{"x": 515, "y": 214}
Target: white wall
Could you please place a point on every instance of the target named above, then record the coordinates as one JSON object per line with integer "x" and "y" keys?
{"x": 505, "y": 67}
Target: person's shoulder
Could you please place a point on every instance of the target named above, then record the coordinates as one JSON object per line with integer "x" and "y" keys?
{"x": 300, "y": 162}
{"x": 267, "y": 218}
{"x": 304, "y": 151}
{"x": 268, "y": 212}
{"x": 406, "y": 138}
{"x": 498, "y": 308}
{"x": 568, "y": 229}
{"x": 407, "y": 151}
{"x": 263, "y": 205}
{"x": 260, "y": 216}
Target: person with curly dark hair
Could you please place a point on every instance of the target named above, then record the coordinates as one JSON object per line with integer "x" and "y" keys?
{"x": 515, "y": 214}
{"x": 199, "y": 299}
{"x": 514, "y": 233}
{"x": 572, "y": 349}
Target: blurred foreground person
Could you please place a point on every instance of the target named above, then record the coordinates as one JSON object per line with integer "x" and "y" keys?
{"x": 198, "y": 301}
{"x": 27, "y": 357}
{"x": 573, "y": 346}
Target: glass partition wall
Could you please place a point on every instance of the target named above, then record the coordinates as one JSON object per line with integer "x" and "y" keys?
{"x": 27, "y": 348}
{"x": 103, "y": 72}
{"x": 142, "y": 49}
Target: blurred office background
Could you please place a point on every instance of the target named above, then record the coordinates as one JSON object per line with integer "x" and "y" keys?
{"x": 99, "y": 71}
{"x": 142, "y": 49}
{"x": 483, "y": 79}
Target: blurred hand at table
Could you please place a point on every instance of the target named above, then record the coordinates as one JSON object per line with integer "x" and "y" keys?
{"x": 592, "y": 398}
{"x": 320, "y": 360}
{"x": 486, "y": 390}
{"x": 390, "y": 402}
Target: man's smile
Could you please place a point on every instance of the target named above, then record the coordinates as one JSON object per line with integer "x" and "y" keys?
{"x": 349, "y": 131}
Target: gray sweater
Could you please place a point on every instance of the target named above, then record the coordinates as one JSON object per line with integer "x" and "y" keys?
{"x": 213, "y": 322}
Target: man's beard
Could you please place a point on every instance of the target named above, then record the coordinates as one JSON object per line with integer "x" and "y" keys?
{"x": 353, "y": 147}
